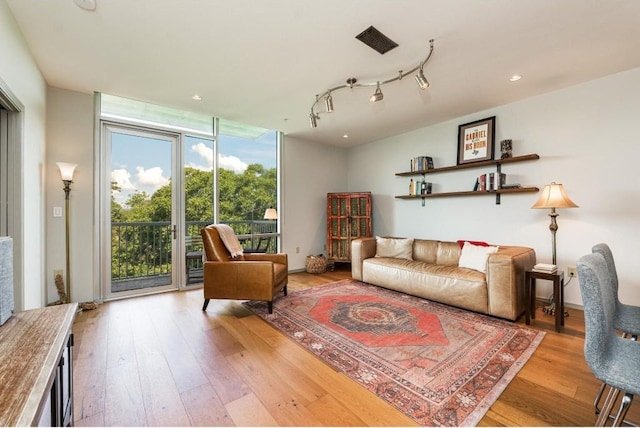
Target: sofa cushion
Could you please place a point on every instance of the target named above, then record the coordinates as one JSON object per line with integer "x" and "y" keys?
{"x": 475, "y": 256}
{"x": 399, "y": 248}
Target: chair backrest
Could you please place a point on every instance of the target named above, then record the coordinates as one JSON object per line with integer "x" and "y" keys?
{"x": 599, "y": 299}
{"x": 214, "y": 248}
{"x": 604, "y": 249}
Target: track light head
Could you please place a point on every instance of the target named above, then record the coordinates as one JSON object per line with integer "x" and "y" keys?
{"x": 422, "y": 80}
{"x": 377, "y": 95}
{"x": 313, "y": 118}
{"x": 328, "y": 100}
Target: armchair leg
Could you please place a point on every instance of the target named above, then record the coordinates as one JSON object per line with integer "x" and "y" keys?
{"x": 285, "y": 290}
{"x": 206, "y": 303}
{"x": 270, "y": 306}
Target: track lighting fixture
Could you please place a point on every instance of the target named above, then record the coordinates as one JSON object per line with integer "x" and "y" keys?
{"x": 352, "y": 82}
{"x": 422, "y": 80}
{"x": 377, "y": 95}
{"x": 328, "y": 100}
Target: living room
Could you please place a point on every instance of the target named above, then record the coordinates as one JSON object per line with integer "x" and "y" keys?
{"x": 583, "y": 133}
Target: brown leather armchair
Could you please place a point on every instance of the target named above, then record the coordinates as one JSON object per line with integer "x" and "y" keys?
{"x": 247, "y": 277}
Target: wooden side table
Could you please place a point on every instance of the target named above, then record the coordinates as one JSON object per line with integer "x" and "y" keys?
{"x": 530, "y": 294}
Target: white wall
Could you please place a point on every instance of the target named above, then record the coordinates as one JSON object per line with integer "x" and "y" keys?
{"x": 586, "y": 137}
{"x": 310, "y": 171}
{"x": 70, "y": 139}
{"x": 21, "y": 74}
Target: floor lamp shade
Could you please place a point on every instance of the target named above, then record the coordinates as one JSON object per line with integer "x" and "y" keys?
{"x": 271, "y": 214}
{"x": 66, "y": 170}
{"x": 553, "y": 196}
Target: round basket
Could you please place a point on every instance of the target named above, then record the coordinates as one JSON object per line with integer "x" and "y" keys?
{"x": 316, "y": 264}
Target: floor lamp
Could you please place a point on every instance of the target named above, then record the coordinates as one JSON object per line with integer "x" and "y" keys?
{"x": 66, "y": 172}
{"x": 553, "y": 196}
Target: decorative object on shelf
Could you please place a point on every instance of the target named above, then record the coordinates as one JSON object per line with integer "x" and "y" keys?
{"x": 352, "y": 82}
{"x": 553, "y": 196}
{"x": 506, "y": 149}
{"x": 476, "y": 140}
{"x": 66, "y": 172}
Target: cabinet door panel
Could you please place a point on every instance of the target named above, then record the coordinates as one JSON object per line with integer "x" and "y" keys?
{"x": 348, "y": 217}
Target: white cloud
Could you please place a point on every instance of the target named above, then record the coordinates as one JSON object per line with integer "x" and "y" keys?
{"x": 205, "y": 153}
{"x": 232, "y": 163}
{"x": 151, "y": 177}
{"x": 122, "y": 179}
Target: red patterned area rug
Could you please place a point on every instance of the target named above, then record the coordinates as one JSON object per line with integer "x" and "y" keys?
{"x": 440, "y": 365}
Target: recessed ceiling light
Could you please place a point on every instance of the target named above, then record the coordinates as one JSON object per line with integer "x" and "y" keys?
{"x": 515, "y": 78}
{"x": 345, "y": 136}
{"x": 196, "y": 97}
{"x": 86, "y": 4}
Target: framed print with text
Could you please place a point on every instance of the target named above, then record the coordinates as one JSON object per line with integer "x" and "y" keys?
{"x": 476, "y": 141}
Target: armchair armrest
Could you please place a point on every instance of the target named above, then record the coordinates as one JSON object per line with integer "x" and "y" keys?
{"x": 281, "y": 258}
{"x": 361, "y": 249}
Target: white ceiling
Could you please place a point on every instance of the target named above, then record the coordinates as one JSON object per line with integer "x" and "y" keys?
{"x": 263, "y": 62}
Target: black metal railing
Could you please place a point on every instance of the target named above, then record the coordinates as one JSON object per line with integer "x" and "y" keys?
{"x": 141, "y": 251}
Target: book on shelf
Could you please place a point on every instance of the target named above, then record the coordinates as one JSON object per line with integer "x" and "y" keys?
{"x": 511, "y": 186}
{"x": 425, "y": 188}
{"x": 496, "y": 181}
{"x": 482, "y": 185}
{"x": 421, "y": 163}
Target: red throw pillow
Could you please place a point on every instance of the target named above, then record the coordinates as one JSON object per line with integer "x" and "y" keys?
{"x": 478, "y": 243}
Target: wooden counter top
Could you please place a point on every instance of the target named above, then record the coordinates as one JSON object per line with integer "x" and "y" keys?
{"x": 31, "y": 345}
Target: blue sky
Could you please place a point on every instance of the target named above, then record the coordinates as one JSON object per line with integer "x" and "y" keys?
{"x": 144, "y": 164}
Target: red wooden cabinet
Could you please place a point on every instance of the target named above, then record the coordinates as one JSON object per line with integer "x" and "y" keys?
{"x": 348, "y": 218}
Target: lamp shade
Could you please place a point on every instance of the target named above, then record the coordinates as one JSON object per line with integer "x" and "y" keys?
{"x": 554, "y": 196}
{"x": 66, "y": 170}
{"x": 271, "y": 214}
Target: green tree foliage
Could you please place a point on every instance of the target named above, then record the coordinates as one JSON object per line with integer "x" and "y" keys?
{"x": 243, "y": 197}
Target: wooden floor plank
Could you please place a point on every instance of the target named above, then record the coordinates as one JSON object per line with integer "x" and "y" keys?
{"x": 248, "y": 411}
{"x": 124, "y": 404}
{"x": 161, "y": 398}
{"x": 161, "y": 360}
{"x": 205, "y": 408}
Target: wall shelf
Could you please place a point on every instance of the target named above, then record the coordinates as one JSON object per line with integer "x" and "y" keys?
{"x": 497, "y": 163}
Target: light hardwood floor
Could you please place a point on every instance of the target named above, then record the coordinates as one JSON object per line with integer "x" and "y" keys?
{"x": 160, "y": 361}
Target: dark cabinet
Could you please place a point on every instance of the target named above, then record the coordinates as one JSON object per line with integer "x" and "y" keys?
{"x": 348, "y": 218}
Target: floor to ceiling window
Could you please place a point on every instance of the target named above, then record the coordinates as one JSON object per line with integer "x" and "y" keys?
{"x": 165, "y": 174}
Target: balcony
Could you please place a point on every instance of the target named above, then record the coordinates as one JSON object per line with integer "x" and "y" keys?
{"x": 141, "y": 251}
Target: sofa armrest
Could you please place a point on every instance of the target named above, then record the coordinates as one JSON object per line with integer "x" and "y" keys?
{"x": 505, "y": 280}
{"x": 361, "y": 249}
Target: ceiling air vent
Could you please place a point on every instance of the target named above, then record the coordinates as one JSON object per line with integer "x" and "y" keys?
{"x": 376, "y": 40}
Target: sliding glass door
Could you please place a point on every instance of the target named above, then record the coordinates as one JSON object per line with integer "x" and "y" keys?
{"x": 144, "y": 210}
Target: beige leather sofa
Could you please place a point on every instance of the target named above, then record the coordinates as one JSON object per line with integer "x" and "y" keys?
{"x": 434, "y": 274}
